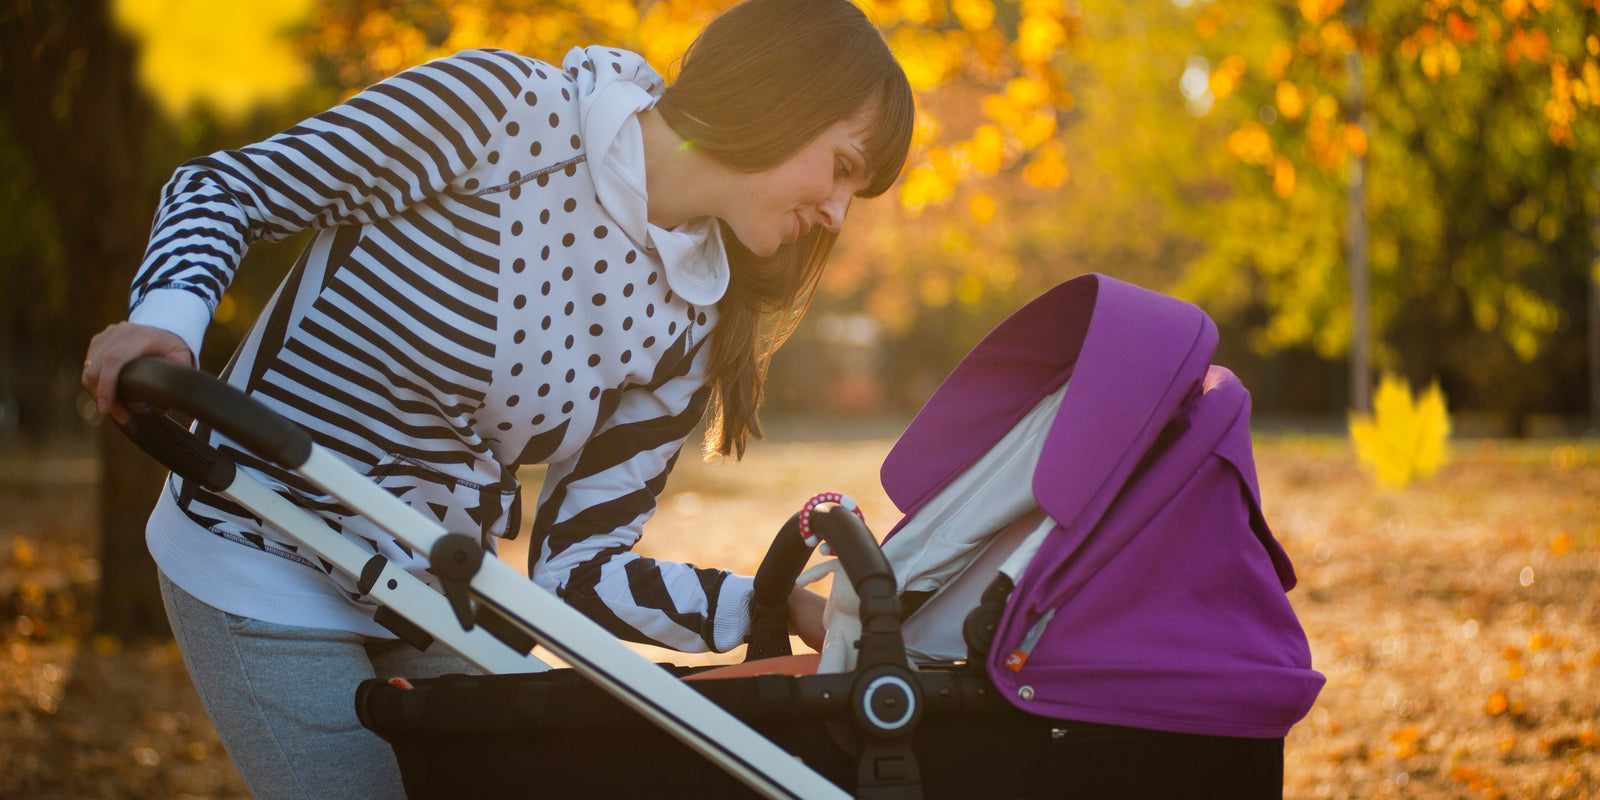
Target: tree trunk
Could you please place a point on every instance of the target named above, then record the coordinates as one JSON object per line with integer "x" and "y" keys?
{"x": 1356, "y": 233}
{"x": 70, "y": 93}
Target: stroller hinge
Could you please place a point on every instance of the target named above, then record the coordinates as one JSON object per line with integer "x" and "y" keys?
{"x": 886, "y": 707}
{"x": 455, "y": 558}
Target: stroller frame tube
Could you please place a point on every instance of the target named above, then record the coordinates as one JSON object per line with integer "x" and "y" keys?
{"x": 393, "y": 587}
{"x": 593, "y": 652}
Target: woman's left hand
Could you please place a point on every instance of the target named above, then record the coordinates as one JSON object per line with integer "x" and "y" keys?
{"x": 806, "y": 617}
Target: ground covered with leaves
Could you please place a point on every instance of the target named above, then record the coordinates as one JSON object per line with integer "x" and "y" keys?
{"x": 1457, "y": 620}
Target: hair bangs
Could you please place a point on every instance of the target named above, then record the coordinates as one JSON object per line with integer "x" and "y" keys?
{"x": 889, "y": 141}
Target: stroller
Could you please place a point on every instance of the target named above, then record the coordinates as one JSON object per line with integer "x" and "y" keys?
{"x": 1082, "y": 572}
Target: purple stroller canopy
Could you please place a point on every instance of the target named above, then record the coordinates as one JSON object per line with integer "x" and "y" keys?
{"x": 1158, "y": 599}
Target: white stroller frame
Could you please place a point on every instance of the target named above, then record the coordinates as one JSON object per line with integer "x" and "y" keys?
{"x": 468, "y": 579}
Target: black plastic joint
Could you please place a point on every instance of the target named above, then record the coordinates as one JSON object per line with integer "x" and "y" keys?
{"x": 370, "y": 572}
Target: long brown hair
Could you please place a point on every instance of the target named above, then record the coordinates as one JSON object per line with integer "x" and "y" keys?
{"x": 758, "y": 84}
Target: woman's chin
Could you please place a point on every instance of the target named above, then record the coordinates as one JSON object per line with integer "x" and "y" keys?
{"x": 759, "y": 249}
{"x": 764, "y": 249}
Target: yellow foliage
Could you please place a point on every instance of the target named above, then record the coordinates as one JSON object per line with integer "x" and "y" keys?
{"x": 231, "y": 57}
{"x": 1027, "y": 93}
{"x": 1035, "y": 129}
{"x": 919, "y": 12}
{"x": 1325, "y": 107}
{"x": 1278, "y": 60}
{"x": 1038, "y": 38}
{"x": 926, "y": 56}
{"x": 923, "y": 185}
{"x": 983, "y": 207}
{"x": 1528, "y": 320}
{"x": 974, "y": 15}
{"x": 1403, "y": 440}
{"x": 987, "y": 151}
{"x": 969, "y": 289}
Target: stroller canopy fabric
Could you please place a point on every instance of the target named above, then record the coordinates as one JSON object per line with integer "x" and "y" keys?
{"x": 1158, "y": 598}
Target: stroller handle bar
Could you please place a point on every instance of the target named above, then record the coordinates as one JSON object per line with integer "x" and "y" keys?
{"x": 238, "y": 416}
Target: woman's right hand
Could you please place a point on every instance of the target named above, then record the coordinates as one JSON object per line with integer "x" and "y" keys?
{"x": 113, "y": 348}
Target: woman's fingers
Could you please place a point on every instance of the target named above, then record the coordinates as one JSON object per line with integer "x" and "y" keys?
{"x": 806, "y": 612}
{"x": 113, "y": 348}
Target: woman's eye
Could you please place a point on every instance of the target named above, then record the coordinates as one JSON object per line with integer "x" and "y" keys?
{"x": 842, "y": 167}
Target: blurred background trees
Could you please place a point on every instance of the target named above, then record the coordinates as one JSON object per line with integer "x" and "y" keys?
{"x": 1205, "y": 148}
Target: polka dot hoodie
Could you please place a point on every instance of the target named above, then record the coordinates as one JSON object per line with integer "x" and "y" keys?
{"x": 483, "y": 291}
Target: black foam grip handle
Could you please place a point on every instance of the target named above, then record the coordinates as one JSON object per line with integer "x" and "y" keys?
{"x": 179, "y": 450}
{"x": 769, "y": 605}
{"x": 873, "y": 578}
{"x": 232, "y": 412}
{"x": 858, "y": 551}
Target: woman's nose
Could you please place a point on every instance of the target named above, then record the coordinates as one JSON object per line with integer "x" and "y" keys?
{"x": 832, "y": 210}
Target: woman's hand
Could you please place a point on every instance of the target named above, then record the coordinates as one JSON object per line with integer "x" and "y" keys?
{"x": 806, "y": 617}
{"x": 113, "y": 348}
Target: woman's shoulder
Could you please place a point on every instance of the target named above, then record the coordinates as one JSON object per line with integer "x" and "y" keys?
{"x": 502, "y": 70}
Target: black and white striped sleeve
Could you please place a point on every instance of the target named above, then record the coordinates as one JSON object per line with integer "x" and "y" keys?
{"x": 591, "y": 514}
{"x": 368, "y": 158}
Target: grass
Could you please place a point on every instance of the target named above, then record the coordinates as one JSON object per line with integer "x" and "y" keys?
{"x": 1457, "y": 621}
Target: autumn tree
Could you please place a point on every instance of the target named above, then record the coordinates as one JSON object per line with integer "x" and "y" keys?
{"x": 1478, "y": 145}
{"x": 78, "y": 124}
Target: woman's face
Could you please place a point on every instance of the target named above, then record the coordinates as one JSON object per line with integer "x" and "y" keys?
{"x": 813, "y": 187}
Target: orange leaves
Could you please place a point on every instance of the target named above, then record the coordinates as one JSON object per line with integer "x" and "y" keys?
{"x": 1291, "y": 103}
{"x": 1460, "y": 29}
{"x": 1498, "y": 703}
{"x": 1561, "y": 109}
{"x": 1252, "y": 144}
{"x": 1524, "y": 44}
{"x": 1407, "y": 742}
{"x": 1284, "y": 177}
{"x": 1225, "y": 78}
{"x": 1561, "y": 544}
{"x": 1048, "y": 169}
{"x": 1315, "y": 11}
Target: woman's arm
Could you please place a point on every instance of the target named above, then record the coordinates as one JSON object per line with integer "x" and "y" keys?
{"x": 421, "y": 132}
{"x": 593, "y": 510}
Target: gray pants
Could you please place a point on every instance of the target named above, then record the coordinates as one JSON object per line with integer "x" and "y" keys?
{"x": 283, "y": 698}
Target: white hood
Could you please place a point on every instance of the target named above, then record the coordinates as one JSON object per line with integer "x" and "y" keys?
{"x": 613, "y": 87}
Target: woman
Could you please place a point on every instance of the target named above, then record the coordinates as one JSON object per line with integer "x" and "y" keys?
{"x": 515, "y": 264}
